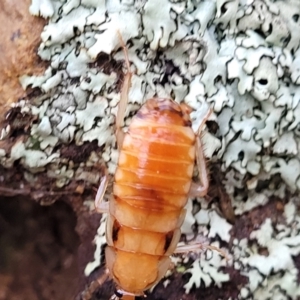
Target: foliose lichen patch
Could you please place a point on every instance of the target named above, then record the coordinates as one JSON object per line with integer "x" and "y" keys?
{"x": 240, "y": 57}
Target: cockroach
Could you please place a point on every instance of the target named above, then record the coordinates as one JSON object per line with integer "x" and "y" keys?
{"x": 152, "y": 183}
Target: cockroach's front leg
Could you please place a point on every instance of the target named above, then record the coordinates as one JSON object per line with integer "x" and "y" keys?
{"x": 200, "y": 189}
{"x": 124, "y": 96}
{"x": 100, "y": 205}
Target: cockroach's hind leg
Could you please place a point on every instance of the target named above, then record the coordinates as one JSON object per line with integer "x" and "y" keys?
{"x": 100, "y": 205}
{"x": 189, "y": 248}
{"x": 94, "y": 285}
{"x": 200, "y": 189}
{"x": 199, "y": 247}
{"x": 122, "y": 295}
{"x": 124, "y": 95}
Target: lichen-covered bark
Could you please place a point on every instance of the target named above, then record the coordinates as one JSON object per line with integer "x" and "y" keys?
{"x": 241, "y": 59}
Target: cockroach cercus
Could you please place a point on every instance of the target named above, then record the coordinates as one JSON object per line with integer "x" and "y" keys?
{"x": 152, "y": 184}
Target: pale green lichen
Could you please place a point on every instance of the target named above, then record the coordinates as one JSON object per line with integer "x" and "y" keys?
{"x": 205, "y": 269}
{"x": 233, "y": 56}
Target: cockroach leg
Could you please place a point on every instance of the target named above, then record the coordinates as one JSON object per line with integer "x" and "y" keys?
{"x": 197, "y": 190}
{"x": 100, "y": 205}
{"x": 124, "y": 95}
{"x": 95, "y": 284}
{"x": 199, "y": 247}
{"x": 122, "y": 295}
{"x": 200, "y": 189}
{"x": 189, "y": 248}
{"x": 88, "y": 293}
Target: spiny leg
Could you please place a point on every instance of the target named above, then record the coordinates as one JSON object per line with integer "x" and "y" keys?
{"x": 122, "y": 295}
{"x": 100, "y": 205}
{"x": 124, "y": 95}
{"x": 200, "y": 189}
{"x": 199, "y": 246}
{"x": 88, "y": 293}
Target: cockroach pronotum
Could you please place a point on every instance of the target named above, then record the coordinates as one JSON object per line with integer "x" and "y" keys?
{"x": 152, "y": 184}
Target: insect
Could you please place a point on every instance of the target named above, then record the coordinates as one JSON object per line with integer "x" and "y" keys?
{"x": 152, "y": 184}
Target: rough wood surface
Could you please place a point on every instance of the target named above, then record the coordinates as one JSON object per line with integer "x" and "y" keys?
{"x": 19, "y": 41}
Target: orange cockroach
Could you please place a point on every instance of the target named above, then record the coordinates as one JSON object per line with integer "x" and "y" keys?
{"x": 152, "y": 184}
